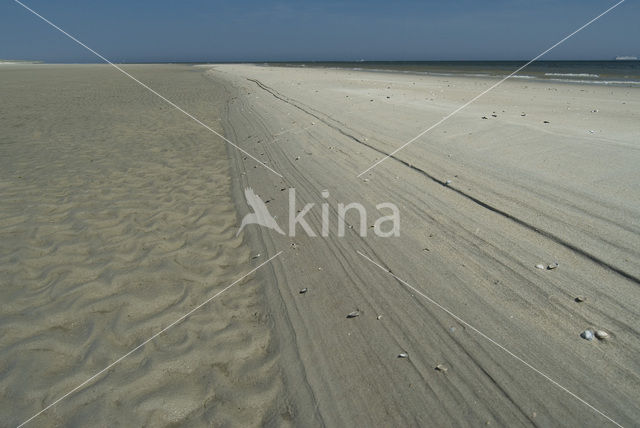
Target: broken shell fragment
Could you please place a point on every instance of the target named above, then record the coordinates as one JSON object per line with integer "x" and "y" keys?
{"x": 403, "y": 355}
{"x": 601, "y": 334}
{"x": 379, "y": 317}
{"x": 353, "y": 314}
{"x": 580, "y": 299}
{"x": 441, "y": 368}
{"x": 553, "y": 265}
{"x": 587, "y": 334}
{"x": 540, "y": 266}
{"x": 304, "y": 290}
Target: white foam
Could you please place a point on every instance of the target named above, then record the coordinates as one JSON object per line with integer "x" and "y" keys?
{"x": 572, "y": 75}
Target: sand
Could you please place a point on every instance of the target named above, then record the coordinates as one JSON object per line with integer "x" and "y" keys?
{"x": 119, "y": 215}
{"x": 522, "y": 192}
{"x": 116, "y": 219}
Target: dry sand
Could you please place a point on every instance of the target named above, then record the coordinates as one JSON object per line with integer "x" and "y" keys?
{"x": 118, "y": 216}
{"x": 116, "y": 219}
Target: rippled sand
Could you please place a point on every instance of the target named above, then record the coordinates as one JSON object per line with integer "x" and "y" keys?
{"x": 116, "y": 219}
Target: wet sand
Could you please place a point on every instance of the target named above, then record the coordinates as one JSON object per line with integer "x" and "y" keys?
{"x": 522, "y": 192}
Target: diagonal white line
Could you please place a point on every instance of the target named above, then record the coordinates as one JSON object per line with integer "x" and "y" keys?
{"x": 182, "y": 318}
{"x": 484, "y": 336}
{"x": 487, "y": 90}
{"x": 171, "y": 103}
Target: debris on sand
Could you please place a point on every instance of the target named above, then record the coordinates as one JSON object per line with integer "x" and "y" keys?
{"x": 545, "y": 121}
{"x": 403, "y": 355}
{"x": 485, "y": 117}
{"x": 304, "y": 290}
{"x": 446, "y": 183}
{"x": 587, "y": 334}
{"x": 379, "y": 317}
{"x": 601, "y": 334}
{"x": 353, "y": 314}
{"x": 553, "y": 265}
{"x": 441, "y": 368}
{"x": 540, "y": 266}
{"x": 580, "y": 299}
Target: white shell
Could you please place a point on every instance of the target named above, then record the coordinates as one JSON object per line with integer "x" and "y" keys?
{"x": 378, "y": 317}
{"x": 403, "y": 355}
{"x": 353, "y": 314}
{"x": 304, "y": 290}
{"x": 540, "y": 266}
{"x": 441, "y": 368}
{"x": 553, "y": 265}
{"x": 601, "y": 334}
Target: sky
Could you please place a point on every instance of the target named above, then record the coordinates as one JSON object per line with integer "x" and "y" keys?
{"x": 327, "y": 30}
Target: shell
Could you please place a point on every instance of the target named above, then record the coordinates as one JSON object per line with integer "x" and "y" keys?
{"x": 379, "y": 317}
{"x": 540, "y": 266}
{"x": 447, "y": 182}
{"x": 441, "y": 368}
{"x": 353, "y": 314}
{"x": 587, "y": 334}
{"x": 403, "y": 355}
{"x": 601, "y": 334}
{"x": 580, "y": 299}
{"x": 553, "y": 265}
{"x": 304, "y": 290}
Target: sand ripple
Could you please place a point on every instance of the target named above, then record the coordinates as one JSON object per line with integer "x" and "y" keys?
{"x": 115, "y": 220}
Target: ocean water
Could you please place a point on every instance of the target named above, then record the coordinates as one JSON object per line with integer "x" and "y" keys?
{"x": 619, "y": 72}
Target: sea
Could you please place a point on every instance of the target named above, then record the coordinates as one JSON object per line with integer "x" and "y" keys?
{"x": 615, "y": 72}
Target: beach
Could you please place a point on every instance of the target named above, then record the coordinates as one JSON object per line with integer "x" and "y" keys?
{"x": 116, "y": 220}
{"x": 120, "y": 214}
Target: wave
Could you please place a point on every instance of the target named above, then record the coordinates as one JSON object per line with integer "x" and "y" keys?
{"x": 572, "y": 75}
{"x": 599, "y": 82}
{"x": 548, "y": 77}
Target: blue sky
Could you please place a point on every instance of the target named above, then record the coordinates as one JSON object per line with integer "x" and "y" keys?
{"x": 254, "y": 30}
